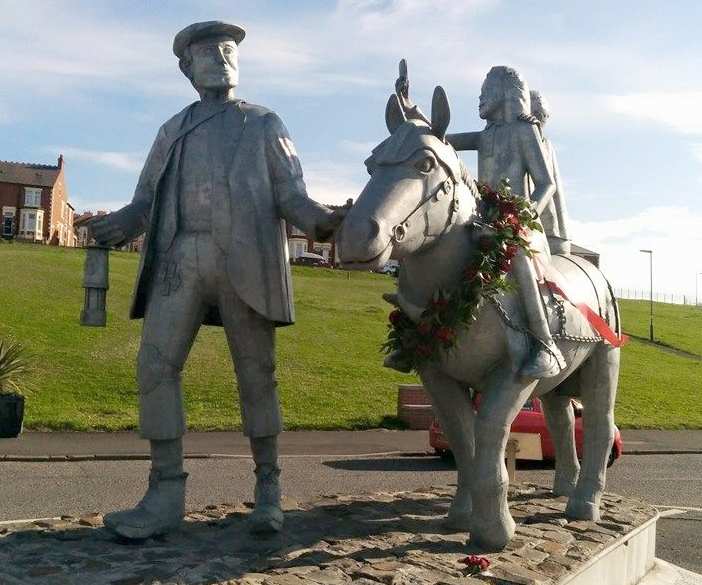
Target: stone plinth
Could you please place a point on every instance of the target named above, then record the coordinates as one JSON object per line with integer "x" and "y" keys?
{"x": 371, "y": 539}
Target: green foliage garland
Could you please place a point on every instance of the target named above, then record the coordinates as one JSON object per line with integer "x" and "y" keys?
{"x": 507, "y": 219}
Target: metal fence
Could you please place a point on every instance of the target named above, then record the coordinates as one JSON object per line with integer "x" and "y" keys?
{"x": 659, "y": 297}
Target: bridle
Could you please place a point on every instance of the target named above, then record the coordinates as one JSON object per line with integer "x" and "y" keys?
{"x": 399, "y": 230}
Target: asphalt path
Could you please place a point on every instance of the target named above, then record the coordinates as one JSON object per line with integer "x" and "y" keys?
{"x": 44, "y": 445}
{"x": 50, "y": 489}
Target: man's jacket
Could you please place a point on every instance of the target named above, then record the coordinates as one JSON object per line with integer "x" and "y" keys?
{"x": 261, "y": 196}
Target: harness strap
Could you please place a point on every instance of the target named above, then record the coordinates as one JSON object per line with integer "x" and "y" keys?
{"x": 443, "y": 186}
{"x": 597, "y": 322}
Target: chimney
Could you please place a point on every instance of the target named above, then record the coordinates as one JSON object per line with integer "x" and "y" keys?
{"x": 60, "y": 161}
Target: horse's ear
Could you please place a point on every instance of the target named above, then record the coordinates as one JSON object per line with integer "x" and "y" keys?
{"x": 394, "y": 114}
{"x": 440, "y": 112}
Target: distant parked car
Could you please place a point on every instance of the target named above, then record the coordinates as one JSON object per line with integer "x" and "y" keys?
{"x": 311, "y": 259}
{"x": 392, "y": 267}
{"x": 530, "y": 420}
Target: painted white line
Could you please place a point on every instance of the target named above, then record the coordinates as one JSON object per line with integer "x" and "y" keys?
{"x": 29, "y": 520}
{"x": 672, "y": 512}
{"x": 684, "y": 508}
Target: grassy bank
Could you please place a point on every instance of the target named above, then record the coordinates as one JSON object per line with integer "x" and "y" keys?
{"x": 329, "y": 365}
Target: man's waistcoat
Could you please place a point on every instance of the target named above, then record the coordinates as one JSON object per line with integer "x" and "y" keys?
{"x": 256, "y": 250}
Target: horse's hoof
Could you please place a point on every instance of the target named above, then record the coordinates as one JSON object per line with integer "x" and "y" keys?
{"x": 489, "y": 544}
{"x": 493, "y": 537}
{"x": 582, "y": 510}
{"x": 266, "y": 519}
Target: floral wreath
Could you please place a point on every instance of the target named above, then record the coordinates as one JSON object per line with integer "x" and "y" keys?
{"x": 506, "y": 220}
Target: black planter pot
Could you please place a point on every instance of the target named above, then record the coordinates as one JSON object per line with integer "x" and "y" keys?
{"x": 11, "y": 415}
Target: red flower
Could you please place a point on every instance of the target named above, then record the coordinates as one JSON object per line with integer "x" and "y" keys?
{"x": 471, "y": 273}
{"x": 508, "y": 208}
{"x": 476, "y": 563}
{"x": 423, "y": 350}
{"x": 486, "y": 243}
{"x": 511, "y": 220}
{"x": 511, "y": 251}
{"x": 395, "y": 316}
{"x": 439, "y": 303}
{"x": 445, "y": 334}
{"x": 505, "y": 265}
{"x": 424, "y": 327}
{"x": 488, "y": 195}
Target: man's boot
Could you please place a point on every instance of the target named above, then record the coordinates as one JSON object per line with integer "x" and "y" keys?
{"x": 545, "y": 360}
{"x": 267, "y": 516}
{"x": 162, "y": 508}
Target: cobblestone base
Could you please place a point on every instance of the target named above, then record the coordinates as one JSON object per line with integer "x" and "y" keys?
{"x": 380, "y": 538}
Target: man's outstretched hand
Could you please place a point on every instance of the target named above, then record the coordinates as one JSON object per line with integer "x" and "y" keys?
{"x": 327, "y": 228}
{"x": 106, "y": 230}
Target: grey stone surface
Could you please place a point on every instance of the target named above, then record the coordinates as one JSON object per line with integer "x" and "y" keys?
{"x": 217, "y": 185}
{"x": 418, "y": 207}
{"x": 335, "y": 540}
{"x": 554, "y": 216}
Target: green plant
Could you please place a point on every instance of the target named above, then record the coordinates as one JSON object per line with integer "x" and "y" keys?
{"x": 14, "y": 364}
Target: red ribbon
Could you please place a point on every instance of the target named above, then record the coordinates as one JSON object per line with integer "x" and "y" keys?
{"x": 597, "y": 322}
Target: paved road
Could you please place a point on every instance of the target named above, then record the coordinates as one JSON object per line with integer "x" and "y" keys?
{"x": 58, "y": 444}
{"x": 47, "y": 489}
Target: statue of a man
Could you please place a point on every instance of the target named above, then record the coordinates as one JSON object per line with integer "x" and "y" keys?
{"x": 510, "y": 147}
{"x": 555, "y": 216}
{"x": 220, "y": 179}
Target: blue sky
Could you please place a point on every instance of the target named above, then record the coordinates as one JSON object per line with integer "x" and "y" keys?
{"x": 94, "y": 80}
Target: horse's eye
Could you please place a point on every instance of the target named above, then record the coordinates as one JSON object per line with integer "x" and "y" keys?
{"x": 425, "y": 165}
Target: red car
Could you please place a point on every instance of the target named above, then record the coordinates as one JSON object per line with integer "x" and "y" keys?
{"x": 530, "y": 420}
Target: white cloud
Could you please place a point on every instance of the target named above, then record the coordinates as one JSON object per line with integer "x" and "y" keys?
{"x": 358, "y": 147}
{"x": 697, "y": 151}
{"x": 673, "y": 233}
{"x": 680, "y": 111}
{"x": 332, "y": 183}
{"x": 123, "y": 161}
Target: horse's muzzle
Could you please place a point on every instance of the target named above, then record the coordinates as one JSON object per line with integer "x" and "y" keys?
{"x": 364, "y": 243}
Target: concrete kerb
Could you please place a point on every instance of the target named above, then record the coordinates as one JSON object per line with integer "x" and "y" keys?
{"x": 146, "y": 456}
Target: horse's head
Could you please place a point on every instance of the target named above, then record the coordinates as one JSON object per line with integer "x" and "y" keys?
{"x": 416, "y": 191}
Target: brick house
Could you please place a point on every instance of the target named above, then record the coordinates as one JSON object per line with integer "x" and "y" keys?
{"x": 34, "y": 203}
{"x": 299, "y": 243}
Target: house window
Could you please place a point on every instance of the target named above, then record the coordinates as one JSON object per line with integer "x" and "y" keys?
{"x": 8, "y": 221}
{"x": 298, "y": 247}
{"x": 31, "y": 223}
{"x": 323, "y": 249}
{"x": 32, "y": 197}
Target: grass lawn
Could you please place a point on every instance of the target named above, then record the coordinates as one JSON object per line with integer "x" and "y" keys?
{"x": 676, "y": 325}
{"x": 329, "y": 365}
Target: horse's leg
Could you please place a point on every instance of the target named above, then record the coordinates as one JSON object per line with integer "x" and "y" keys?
{"x": 455, "y": 412}
{"x": 599, "y": 377}
{"x": 492, "y": 526}
{"x": 560, "y": 421}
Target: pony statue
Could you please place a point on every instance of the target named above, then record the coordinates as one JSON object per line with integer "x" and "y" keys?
{"x": 420, "y": 207}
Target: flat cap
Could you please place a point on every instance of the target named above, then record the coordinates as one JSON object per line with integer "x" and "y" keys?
{"x": 201, "y": 30}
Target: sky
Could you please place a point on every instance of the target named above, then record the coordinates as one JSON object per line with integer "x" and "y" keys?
{"x": 95, "y": 79}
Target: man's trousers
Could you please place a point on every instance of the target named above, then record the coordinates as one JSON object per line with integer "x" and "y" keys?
{"x": 185, "y": 284}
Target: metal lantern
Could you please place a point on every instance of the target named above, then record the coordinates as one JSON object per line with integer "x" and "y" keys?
{"x": 95, "y": 283}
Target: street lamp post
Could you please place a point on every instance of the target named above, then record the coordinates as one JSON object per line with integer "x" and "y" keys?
{"x": 650, "y": 271}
